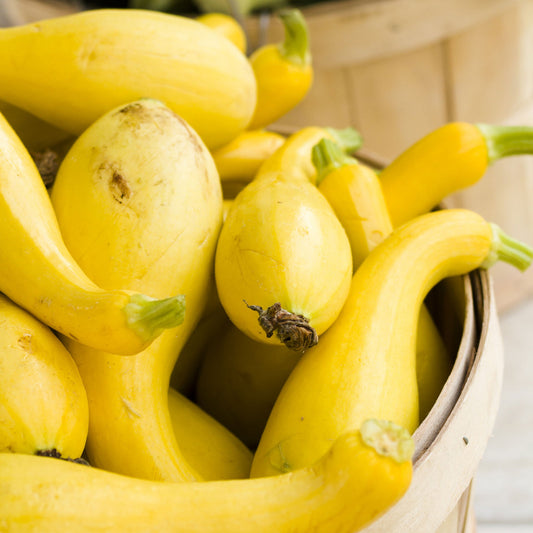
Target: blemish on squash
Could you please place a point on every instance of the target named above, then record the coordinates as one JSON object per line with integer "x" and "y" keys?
{"x": 24, "y": 341}
{"x": 130, "y": 410}
{"x": 119, "y": 187}
{"x": 278, "y": 461}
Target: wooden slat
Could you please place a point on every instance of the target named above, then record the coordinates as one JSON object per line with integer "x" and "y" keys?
{"x": 26, "y": 11}
{"x": 398, "y": 99}
{"x": 328, "y": 103}
{"x": 392, "y": 102}
{"x": 350, "y": 32}
{"x": 489, "y": 71}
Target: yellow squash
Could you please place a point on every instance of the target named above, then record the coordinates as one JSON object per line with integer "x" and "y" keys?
{"x": 227, "y": 26}
{"x": 259, "y": 242}
{"x": 238, "y": 161}
{"x": 239, "y": 380}
{"x": 213, "y": 320}
{"x": 450, "y": 158}
{"x": 365, "y": 364}
{"x": 90, "y": 62}
{"x": 293, "y": 158}
{"x": 359, "y": 478}
{"x": 355, "y": 193}
{"x": 283, "y": 71}
{"x": 208, "y": 446}
{"x": 43, "y": 405}
{"x": 139, "y": 202}
{"x": 39, "y": 274}
{"x": 282, "y": 254}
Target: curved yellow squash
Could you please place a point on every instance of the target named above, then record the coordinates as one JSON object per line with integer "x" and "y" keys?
{"x": 140, "y": 205}
{"x": 71, "y": 70}
{"x": 239, "y": 380}
{"x": 355, "y": 193}
{"x": 283, "y": 71}
{"x": 365, "y": 365}
{"x": 208, "y": 446}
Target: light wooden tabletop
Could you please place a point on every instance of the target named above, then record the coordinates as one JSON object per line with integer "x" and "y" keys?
{"x": 503, "y": 491}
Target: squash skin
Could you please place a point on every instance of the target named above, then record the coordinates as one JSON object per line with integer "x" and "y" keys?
{"x": 254, "y": 373}
{"x": 227, "y": 26}
{"x": 155, "y": 227}
{"x": 43, "y": 404}
{"x": 414, "y": 184}
{"x": 208, "y": 446}
{"x": 365, "y": 366}
{"x": 294, "y": 156}
{"x": 281, "y": 85}
{"x": 354, "y": 191}
{"x": 93, "y": 61}
{"x": 239, "y": 160}
{"x": 35, "y": 134}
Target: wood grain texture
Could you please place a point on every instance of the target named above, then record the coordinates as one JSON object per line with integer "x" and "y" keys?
{"x": 16, "y": 12}
{"x": 345, "y": 33}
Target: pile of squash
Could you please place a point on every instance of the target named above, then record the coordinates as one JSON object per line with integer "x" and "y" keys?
{"x": 206, "y": 325}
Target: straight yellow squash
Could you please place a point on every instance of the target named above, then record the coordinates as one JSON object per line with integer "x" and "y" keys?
{"x": 448, "y": 159}
{"x": 70, "y": 70}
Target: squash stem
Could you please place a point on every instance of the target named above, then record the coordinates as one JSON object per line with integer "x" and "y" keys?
{"x": 349, "y": 139}
{"x": 148, "y": 317}
{"x": 295, "y": 47}
{"x": 507, "y": 249}
{"x": 388, "y": 439}
{"x": 503, "y": 141}
{"x": 327, "y": 156}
